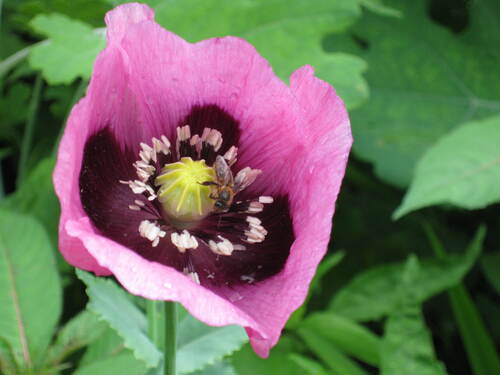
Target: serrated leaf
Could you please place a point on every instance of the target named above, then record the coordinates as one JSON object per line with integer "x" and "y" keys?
{"x": 30, "y": 289}
{"x": 462, "y": 169}
{"x": 111, "y": 304}
{"x": 77, "y": 333}
{"x": 373, "y": 293}
{"x": 124, "y": 363}
{"x": 69, "y": 52}
{"x": 107, "y": 345}
{"x": 407, "y": 345}
{"x": 200, "y": 346}
{"x": 347, "y": 335}
{"x": 220, "y": 368}
{"x": 287, "y": 33}
{"x": 424, "y": 81}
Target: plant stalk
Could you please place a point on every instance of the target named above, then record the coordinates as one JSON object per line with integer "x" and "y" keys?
{"x": 162, "y": 329}
{"x": 170, "y": 337}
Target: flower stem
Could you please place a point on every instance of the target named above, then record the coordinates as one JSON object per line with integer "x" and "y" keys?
{"x": 162, "y": 329}
{"x": 170, "y": 337}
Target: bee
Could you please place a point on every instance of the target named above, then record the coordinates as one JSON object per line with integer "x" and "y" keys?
{"x": 227, "y": 186}
{"x": 225, "y": 189}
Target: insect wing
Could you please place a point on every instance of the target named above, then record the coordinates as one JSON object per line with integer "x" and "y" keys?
{"x": 223, "y": 172}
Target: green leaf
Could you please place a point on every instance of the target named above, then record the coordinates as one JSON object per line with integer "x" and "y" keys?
{"x": 13, "y": 110}
{"x": 200, "y": 346}
{"x": 330, "y": 354}
{"x": 478, "y": 343}
{"x": 348, "y": 336}
{"x": 246, "y": 362}
{"x": 111, "y": 304}
{"x": 219, "y": 368}
{"x": 377, "y": 6}
{"x": 287, "y": 33}
{"x": 70, "y": 50}
{"x": 107, "y": 345}
{"x": 79, "y": 332}
{"x": 424, "y": 81}
{"x": 373, "y": 293}
{"x": 326, "y": 265}
{"x": 30, "y": 289}
{"x": 124, "y": 363}
{"x": 462, "y": 168}
{"x": 490, "y": 264}
{"x": 407, "y": 344}
{"x": 308, "y": 365}
{"x": 36, "y": 197}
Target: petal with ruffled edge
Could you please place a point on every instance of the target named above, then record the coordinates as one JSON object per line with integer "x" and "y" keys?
{"x": 144, "y": 83}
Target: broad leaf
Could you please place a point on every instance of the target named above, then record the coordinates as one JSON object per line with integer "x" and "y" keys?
{"x": 30, "y": 289}
{"x": 220, "y": 368}
{"x": 246, "y": 362}
{"x": 124, "y": 363}
{"x": 70, "y": 50}
{"x": 330, "y": 354}
{"x": 407, "y": 344}
{"x": 462, "y": 168}
{"x": 424, "y": 81}
{"x": 77, "y": 333}
{"x": 111, "y": 304}
{"x": 287, "y": 33}
{"x": 107, "y": 345}
{"x": 200, "y": 346}
{"x": 373, "y": 293}
{"x": 347, "y": 335}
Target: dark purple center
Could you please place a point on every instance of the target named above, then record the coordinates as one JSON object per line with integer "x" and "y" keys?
{"x": 107, "y": 201}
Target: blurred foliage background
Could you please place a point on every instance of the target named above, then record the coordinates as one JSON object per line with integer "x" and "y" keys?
{"x": 412, "y": 280}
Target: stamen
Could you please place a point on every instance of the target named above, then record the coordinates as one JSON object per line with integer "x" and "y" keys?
{"x": 223, "y": 247}
{"x": 266, "y": 199}
{"x": 139, "y": 187}
{"x": 230, "y": 155}
{"x": 245, "y": 178}
{"x": 247, "y": 278}
{"x": 255, "y": 207}
{"x": 161, "y": 146}
{"x": 151, "y": 231}
{"x": 146, "y": 154}
{"x": 193, "y": 275}
{"x": 183, "y": 135}
{"x": 183, "y": 241}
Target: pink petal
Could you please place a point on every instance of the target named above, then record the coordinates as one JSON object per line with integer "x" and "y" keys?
{"x": 144, "y": 83}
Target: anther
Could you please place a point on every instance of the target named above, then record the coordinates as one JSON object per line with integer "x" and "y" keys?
{"x": 266, "y": 199}
{"x": 151, "y": 231}
{"x": 245, "y": 178}
{"x": 192, "y": 275}
{"x": 223, "y": 247}
{"x": 230, "y": 155}
{"x": 183, "y": 241}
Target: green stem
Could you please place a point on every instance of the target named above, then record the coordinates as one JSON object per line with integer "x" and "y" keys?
{"x": 170, "y": 337}
{"x": 29, "y": 129}
{"x": 156, "y": 323}
{"x": 162, "y": 329}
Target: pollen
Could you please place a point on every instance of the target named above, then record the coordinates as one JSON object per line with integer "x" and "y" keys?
{"x": 184, "y": 190}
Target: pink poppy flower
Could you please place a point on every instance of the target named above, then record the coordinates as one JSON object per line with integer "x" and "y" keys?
{"x": 191, "y": 173}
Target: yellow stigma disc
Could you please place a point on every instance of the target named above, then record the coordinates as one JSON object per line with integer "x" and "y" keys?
{"x": 181, "y": 192}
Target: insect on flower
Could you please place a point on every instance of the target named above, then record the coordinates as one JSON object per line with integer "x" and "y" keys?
{"x": 191, "y": 173}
